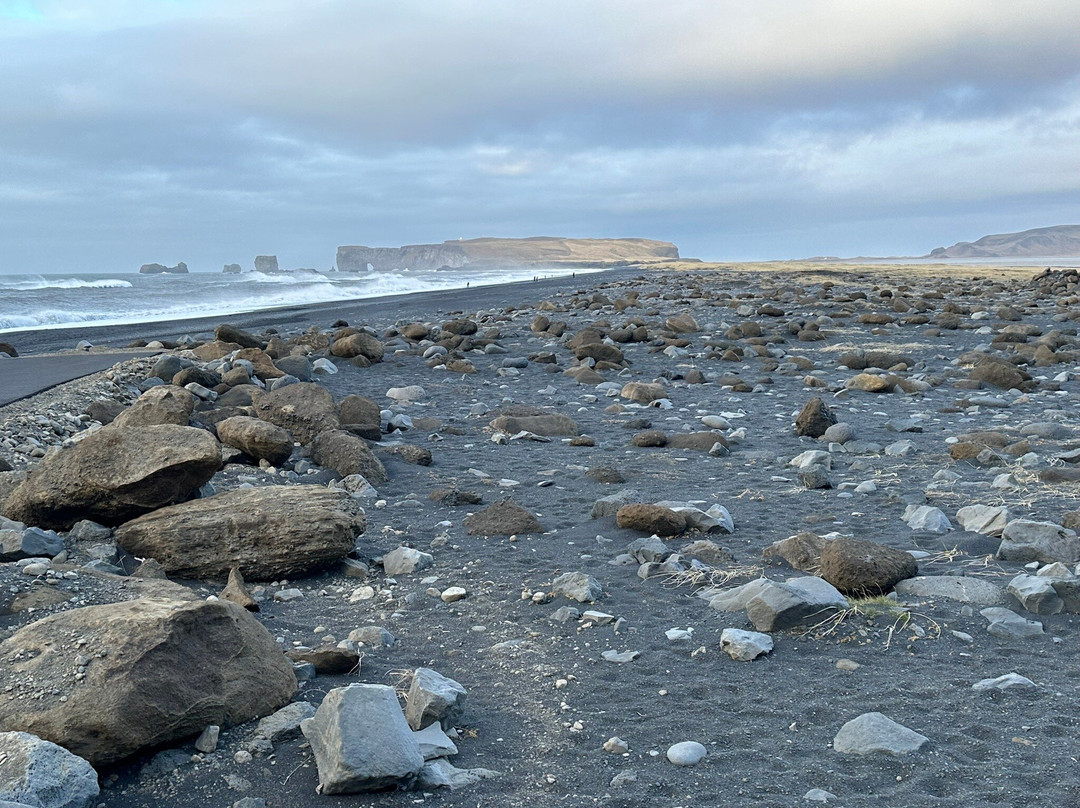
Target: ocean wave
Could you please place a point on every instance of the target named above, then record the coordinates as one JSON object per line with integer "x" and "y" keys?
{"x": 63, "y": 283}
{"x": 196, "y": 299}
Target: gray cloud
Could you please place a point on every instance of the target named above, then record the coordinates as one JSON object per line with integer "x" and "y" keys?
{"x": 143, "y": 131}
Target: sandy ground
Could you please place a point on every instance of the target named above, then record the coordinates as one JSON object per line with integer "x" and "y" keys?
{"x": 767, "y": 725}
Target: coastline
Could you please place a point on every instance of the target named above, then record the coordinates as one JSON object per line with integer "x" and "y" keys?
{"x": 389, "y": 307}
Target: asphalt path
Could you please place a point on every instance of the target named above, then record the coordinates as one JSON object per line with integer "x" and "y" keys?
{"x": 28, "y": 375}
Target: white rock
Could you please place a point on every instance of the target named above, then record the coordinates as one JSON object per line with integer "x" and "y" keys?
{"x": 745, "y": 646}
{"x": 990, "y": 520}
{"x": 928, "y": 518}
{"x": 1009, "y": 681}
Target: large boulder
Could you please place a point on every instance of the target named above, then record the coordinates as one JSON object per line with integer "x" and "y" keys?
{"x": 256, "y": 438}
{"x": 358, "y": 344}
{"x": 549, "y": 425}
{"x": 361, "y": 741}
{"x": 347, "y": 454}
{"x": 1025, "y": 540}
{"x": 434, "y": 698}
{"x": 864, "y": 568}
{"x": 154, "y": 671}
{"x": 164, "y": 404}
{"x": 305, "y": 409}
{"x": 115, "y": 475}
{"x": 40, "y": 774}
{"x": 267, "y": 533}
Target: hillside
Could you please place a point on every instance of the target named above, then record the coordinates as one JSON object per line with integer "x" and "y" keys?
{"x": 535, "y": 251}
{"x": 1061, "y": 241}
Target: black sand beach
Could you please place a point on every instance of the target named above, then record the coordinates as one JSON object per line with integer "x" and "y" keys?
{"x": 738, "y": 355}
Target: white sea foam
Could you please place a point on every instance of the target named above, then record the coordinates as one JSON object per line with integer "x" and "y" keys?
{"x": 41, "y": 302}
{"x": 41, "y": 282}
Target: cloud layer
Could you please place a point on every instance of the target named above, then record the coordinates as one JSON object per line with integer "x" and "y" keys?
{"x": 207, "y": 132}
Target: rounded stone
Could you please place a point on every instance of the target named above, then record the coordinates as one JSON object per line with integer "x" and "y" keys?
{"x": 686, "y": 753}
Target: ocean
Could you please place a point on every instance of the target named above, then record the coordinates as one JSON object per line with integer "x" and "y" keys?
{"x": 34, "y": 302}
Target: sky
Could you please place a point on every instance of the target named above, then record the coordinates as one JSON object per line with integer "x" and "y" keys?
{"x": 136, "y": 131}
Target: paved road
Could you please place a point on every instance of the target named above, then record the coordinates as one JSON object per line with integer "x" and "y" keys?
{"x": 28, "y": 375}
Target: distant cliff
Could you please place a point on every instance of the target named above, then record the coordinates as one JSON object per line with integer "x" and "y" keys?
{"x": 536, "y": 251}
{"x": 1061, "y": 241}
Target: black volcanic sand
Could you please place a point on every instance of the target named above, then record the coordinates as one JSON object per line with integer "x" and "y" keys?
{"x": 768, "y": 725}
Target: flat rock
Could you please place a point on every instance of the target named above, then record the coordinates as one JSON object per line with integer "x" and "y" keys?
{"x": 161, "y": 670}
{"x": 990, "y": 520}
{"x": 961, "y": 588}
{"x": 1008, "y": 681}
{"x": 1008, "y": 625}
{"x": 267, "y": 533}
{"x": 284, "y": 724}
{"x": 545, "y": 425}
{"x": 873, "y": 733}
{"x": 502, "y": 518}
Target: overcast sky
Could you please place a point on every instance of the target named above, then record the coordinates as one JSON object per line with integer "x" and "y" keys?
{"x": 164, "y": 130}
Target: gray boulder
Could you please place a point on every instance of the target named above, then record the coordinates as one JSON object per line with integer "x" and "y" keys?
{"x": 609, "y": 505}
{"x": 32, "y": 542}
{"x": 798, "y": 601}
{"x": 406, "y": 560}
{"x": 577, "y": 586}
{"x": 873, "y": 733}
{"x": 1036, "y": 594}
{"x": 1025, "y": 540}
{"x": 434, "y": 698}
{"x": 990, "y": 520}
{"x": 40, "y": 774}
{"x": 284, "y": 724}
{"x": 1008, "y": 625}
{"x": 361, "y": 742}
{"x": 961, "y": 588}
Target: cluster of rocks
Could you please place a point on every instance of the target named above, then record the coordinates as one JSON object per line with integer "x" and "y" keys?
{"x": 715, "y": 415}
